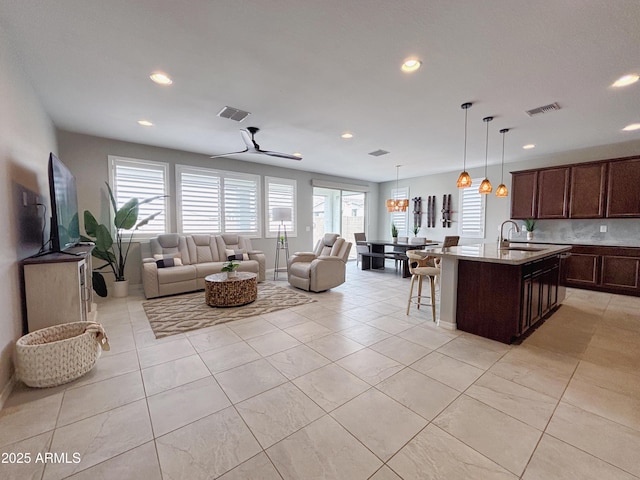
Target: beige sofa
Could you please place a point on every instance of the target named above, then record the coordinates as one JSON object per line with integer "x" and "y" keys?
{"x": 199, "y": 256}
{"x": 322, "y": 269}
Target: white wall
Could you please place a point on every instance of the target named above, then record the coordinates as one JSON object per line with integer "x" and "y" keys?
{"x": 86, "y": 156}
{"x": 498, "y": 209}
{"x": 26, "y": 138}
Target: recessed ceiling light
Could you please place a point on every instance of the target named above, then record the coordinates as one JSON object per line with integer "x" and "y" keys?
{"x": 633, "y": 126}
{"x": 161, "y": 78}
{"x": 145, "y": 123}
{"x": 529, "y": 146}
{"x": 411, "y": 65}
{"x": 347, "y": 135}
{"x": 297, "y": 154}
{"x": 626, "y": 80}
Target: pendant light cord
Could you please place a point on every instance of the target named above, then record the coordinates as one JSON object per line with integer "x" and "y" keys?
{"x": 464, "y": 158}
{"x": 486, "y": 150}
{"x": 502, "y": 168}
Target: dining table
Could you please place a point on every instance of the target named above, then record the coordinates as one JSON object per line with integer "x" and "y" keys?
{"x": 378, "y": 254}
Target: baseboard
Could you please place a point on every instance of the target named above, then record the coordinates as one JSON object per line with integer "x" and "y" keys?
{"x": 6, "y": 391}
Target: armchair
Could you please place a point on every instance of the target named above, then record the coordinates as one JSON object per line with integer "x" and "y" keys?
{"x": 322, "y": 269}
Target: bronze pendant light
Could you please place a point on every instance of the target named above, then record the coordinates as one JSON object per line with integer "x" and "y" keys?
{"x": 464, "y": 180}
{"x": 485, "y": 186}
{"x": 502, "y": 191}
{"x": 397, "y": 204}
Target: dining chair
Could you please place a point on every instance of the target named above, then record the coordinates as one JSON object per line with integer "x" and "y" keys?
{"x": 361, "y": 246}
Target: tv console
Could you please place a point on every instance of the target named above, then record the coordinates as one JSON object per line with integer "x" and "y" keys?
{"x": 58, "y": 288}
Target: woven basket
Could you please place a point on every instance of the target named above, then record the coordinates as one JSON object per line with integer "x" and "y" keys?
{"x": 56, "y": 355}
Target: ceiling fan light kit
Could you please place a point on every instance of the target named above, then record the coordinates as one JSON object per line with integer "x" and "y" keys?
{"x": 248, "y": 136}
{"x": 464, "y": 180}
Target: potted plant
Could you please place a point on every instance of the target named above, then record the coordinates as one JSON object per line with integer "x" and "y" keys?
{"x": 114, "y": 251}
{"x": 230, "y": 268}
{"x": 529, "y": 226}
{"x": 416, "y": 240}
{"x": 394, "y": 232}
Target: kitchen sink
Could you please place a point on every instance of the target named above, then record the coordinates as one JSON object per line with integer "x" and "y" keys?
{"x": 523, "y": 249}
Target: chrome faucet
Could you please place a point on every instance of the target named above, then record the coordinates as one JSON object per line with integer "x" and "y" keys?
{"x": 504, "y": 242}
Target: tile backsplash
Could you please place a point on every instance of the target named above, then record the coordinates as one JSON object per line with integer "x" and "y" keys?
{"x": 620, "y": 232}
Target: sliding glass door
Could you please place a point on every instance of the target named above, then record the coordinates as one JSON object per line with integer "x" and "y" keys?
{"x": 338, "y": 211}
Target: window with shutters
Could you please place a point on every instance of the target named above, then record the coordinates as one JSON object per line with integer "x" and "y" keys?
{"x": 400, "y": 219}
{"x": 214, "y": 201}
{"x": 280, "y": 193}
{"x": 142, "y": 179}
{"x": 472, "y": 211}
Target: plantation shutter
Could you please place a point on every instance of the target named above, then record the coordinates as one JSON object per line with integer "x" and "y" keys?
{"x": 199, "y": 200}
{"x": 400, "y": 219}
{"x": 142, "y": 179}
{"x": 472, "y": 211}
{"x": 241, "y": 204}
{"x": 280, "y": 193}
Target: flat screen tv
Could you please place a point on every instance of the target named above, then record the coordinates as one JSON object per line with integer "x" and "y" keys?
{"x": 65, "y": 228}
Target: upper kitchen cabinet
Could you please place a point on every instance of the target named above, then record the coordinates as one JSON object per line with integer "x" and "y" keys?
{"x": 524, "y": 188}
{"x": 606, "y": 188}
{"x": 623, "y": 193}
{"x": 553, "y": 193}
{"x": 588, "y": 187}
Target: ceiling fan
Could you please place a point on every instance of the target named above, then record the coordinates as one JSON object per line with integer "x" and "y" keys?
{"x": 252, "y": 147}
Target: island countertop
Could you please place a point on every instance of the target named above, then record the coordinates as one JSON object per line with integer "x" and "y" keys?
{"x": 515, "y": 254}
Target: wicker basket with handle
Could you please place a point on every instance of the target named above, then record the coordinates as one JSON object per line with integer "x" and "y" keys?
{"x": 59, "y": 354}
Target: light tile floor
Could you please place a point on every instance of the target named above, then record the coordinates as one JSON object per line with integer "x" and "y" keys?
{"x": 345, "y": 388}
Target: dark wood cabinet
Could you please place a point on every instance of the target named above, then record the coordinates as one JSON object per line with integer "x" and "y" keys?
{"x": 604, "y": 268}
{"x": 582, "y": 269}
{"x": 620, "y": 273}
{"x": 509, "y": 301}
{"x": 587, "y": 194}
{"x": 623, "y": 191}
{"x": 553, "y": 193}
{"x": 606, "y": 188}
{"x": 524, "y": 189}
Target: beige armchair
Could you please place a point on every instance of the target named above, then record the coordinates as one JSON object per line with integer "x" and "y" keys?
{"x": 322, "y": 269}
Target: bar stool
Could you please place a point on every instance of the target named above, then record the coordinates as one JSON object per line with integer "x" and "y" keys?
{"x": 420, "y": 268}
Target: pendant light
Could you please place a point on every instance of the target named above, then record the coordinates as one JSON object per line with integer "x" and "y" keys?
{"x": 397, "y": 204}
{"x": 464, "y": 180}
{"x": 502, "y": 191}
{"x": 485, "y": 186}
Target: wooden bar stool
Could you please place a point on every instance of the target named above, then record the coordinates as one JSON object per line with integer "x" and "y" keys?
{"x": 422, "y": 266}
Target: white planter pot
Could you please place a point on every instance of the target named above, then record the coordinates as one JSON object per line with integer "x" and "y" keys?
{"x": 120, "y": 289}
{"x": 395, "y": 239}
{"x": 232, "y": 274}
{"x": 529, "y": 235}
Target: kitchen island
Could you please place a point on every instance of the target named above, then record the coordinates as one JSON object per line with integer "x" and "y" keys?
{"x": 498, "y": 293}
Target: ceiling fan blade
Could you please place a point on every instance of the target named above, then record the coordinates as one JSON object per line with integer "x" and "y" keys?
{"x": 230, "y": 153}
{"x": 281, "y": 155}
{"x": 246, "y": 138}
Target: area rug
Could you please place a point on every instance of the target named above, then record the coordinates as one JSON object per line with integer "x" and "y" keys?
{"x": 182, "y": 313}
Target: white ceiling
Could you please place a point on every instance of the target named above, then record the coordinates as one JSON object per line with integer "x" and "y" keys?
{"x": 309, "y": 70}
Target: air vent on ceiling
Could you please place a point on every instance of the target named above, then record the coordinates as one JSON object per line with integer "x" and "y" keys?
{"x": 543, "y": 109}
{"x": 233, "y": 114}
{"x": 378, "y": 153}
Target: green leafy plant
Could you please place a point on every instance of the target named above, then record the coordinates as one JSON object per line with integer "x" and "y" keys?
{"x": 230, "y": 266}
{"x": 114, "y": 251}
{"x": 416, "y": 230}
{"x": 394, "y": 230}
{"x": 529, "y": 224}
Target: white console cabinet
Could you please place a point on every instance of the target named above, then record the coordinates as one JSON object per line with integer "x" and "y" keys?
{"x": 58, "y": 288}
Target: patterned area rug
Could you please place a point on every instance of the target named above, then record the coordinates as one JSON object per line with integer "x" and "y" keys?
{"x": 181, "y": 313}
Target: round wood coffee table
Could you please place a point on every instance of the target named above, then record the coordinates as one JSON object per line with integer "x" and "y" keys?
{"x": 221, "y": 291}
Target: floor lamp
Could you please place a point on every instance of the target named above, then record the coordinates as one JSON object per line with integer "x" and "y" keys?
{"x": 281, "y": 215}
